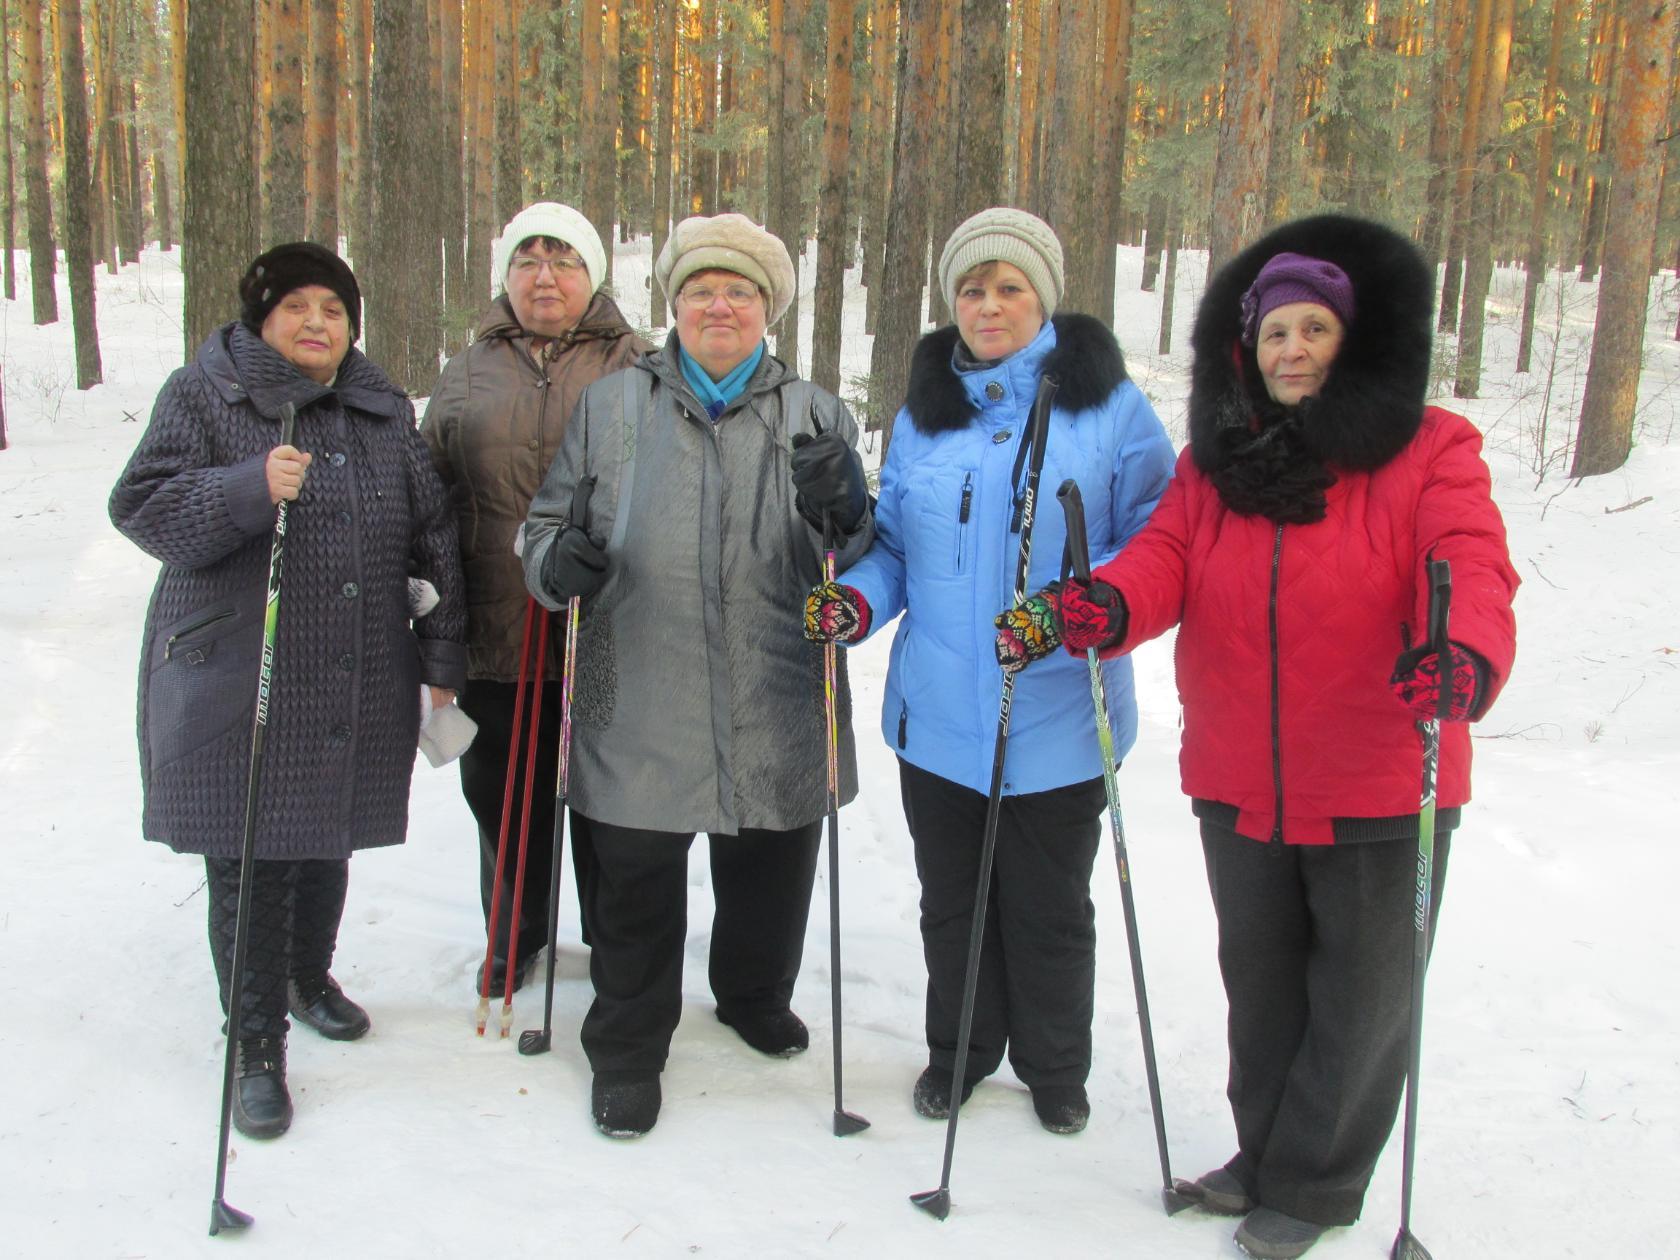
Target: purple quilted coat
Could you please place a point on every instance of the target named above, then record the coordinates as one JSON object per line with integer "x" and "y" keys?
{"x": 348, "y": 664}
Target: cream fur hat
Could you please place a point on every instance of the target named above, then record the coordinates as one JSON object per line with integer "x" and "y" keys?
{"x": 550, "y": 218}
{"x": 1002, "y": 234}
{"x": 731, "y": 242}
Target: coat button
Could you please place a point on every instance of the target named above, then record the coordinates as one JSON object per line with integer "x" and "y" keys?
{"x": 337, "y": 460}
{"x": 347, "y": 662}
{"x": 994, "y": 391}
{"x": 341, "y": 734}
{"x": 351, "y": 590}
{"x": 344, "y": 518}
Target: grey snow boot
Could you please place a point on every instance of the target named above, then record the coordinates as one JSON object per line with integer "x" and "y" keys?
{"x": 1218, "y": 1192}
{"x": 1267, "y": 1234}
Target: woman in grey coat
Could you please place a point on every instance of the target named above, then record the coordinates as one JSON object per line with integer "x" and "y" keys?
{"x": 199, "y": 494}
{"x": 698, "y": 703}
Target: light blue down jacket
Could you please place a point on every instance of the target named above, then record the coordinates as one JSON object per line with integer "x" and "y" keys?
{"x": 945, "y": 553}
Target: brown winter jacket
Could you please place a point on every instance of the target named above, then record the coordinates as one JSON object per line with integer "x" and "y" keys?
{"x": 493, "y": 425}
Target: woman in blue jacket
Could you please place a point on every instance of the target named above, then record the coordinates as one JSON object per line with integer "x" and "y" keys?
{"x": 947, "y": 541}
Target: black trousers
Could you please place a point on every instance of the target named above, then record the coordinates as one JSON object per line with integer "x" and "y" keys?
{"x": 1038, "y": 963}
{"x": 1315, "y": 947}
{"x": 483, "y": 780}
{"x": 295, "y": 912}
{"x": 636, "y": 908}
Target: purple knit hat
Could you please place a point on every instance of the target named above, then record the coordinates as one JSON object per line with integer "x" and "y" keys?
{"x": 1290, "y": 278}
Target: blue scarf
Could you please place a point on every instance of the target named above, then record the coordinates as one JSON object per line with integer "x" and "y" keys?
{"x": 716, "y": 395}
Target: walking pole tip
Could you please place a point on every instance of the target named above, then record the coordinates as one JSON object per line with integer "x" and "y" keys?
{"x": 934, "y": 1202}
{"x": 847, "y": 1123}
{"x": 1406, "y": 1247}
{"x": 534, "y": 1041}
{"x": 224, "y": 1217}
{"x": 1175, "y": 1200}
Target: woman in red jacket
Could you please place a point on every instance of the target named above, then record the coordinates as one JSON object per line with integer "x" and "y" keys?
{"x": 1290, "y": 550}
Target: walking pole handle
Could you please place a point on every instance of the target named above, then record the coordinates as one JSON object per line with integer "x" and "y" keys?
{"x": 1078, "y": 544}
{"x": 580, "y": 500}
{"x": 1440, "y": 606}
{"x": 288, "y": 423}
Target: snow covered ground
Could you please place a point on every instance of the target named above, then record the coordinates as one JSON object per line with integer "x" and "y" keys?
{"x": 1551, "y": 1093}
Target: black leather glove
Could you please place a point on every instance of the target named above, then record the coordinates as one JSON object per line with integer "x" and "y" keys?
{"x": 828, "y": 477}
{"x": 576, "y": 564}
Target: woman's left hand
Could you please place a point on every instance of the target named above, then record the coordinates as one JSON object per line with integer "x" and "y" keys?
{"x": 441, "y": 696}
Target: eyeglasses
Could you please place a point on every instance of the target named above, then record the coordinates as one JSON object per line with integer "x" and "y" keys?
{"x": 530, "y": 268}
{"x": 739, "y": 296}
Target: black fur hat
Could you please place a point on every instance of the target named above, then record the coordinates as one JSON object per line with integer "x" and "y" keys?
{"x": 1372, "y": 401}
{"x": 286, "y": 267}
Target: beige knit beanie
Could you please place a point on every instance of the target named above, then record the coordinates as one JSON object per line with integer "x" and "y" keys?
{"x": 1002, "y": 234}
{"x": 731, "y": 242}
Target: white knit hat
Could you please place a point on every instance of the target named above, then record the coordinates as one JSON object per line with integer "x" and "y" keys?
{"x": 1002, "y": 234}
{"x": 728, "y": 242}
{"x": 550, "y": 218}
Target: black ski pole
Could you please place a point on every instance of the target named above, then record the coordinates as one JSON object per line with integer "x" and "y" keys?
{"x": 1406, "y": 1246}
{"x": 222, "y": 1214}
{"x": 1079, "y": 559}
{"x": 845, "y": 1122}
{"x": 938, "y": 1202}
{"x": 532, "y": 1040}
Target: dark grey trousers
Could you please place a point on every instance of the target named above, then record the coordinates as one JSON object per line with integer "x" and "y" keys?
{"x": 296, "y": 907}
{"x": 636, "y": 910}
{"x": 1315, "y": 947}
{"x": 1035, "y": 990}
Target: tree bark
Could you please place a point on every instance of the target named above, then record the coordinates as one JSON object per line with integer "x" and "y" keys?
{"x": 834, "y": 241}
{"x": 899, "y": 324}
{"x": 1245, "y": 129}
{"x": 1478, "y": 252}
{"x": 286, "y": 181}
{"x": 43, "y": 257}
{"x": 942, "y": 157}
{"x": 510, "y": 192}
{"x": 459, "y": 302}
{"x": 1108, "y": 204}
{"x": 1450, "y": 21}
{"x": 980, "y": 125}
{"x": 78, "y": 243}
{"x": 612, "y": 110}
{"x": 11, "y": 184}
{"x": 883, "y": 63}
{"x": 1607, "y": 408}
{"x": 1535, "y": 262}
{"x": 481, "y": 211}
{"x": 790, "y": 224}
{"x": 402, "y": 309}
{"x": 323, "y": 122}
{"x": 1072, "y": 189}
{"x": 1469, "y": 140}
{"x": 664, "y": 141}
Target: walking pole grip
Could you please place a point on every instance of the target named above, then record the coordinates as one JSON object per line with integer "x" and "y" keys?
{"x": 1078, "y": 543}
{"x": 1440, "y": 607}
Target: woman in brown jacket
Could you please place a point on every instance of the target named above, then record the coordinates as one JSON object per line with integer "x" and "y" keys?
{"x": 493, "y": 425}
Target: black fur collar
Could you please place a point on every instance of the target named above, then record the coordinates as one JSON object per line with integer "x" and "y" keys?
{"x": 1086, "y": 363}
{"x": 1372, "y": 403}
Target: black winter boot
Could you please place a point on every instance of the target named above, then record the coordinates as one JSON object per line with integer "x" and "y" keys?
{"x": 261, "y": 1106}
{"x": 778, "y": 1033}
{"x": 1267, "y": 1234}
{"x": 931, "y": 1096}
{"x": 1219, "y": 1192}
{"x": 318, "y": 1002}
{"x": 1061, "y": 1108}
{"x": 625, "y": 1104}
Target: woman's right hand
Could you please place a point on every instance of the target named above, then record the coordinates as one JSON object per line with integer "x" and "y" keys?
{"x": 836, "y": 614}
{"x": 285, "y": 469}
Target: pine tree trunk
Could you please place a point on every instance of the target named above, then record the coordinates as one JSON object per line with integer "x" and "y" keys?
{"x": 356, "y": 148}
{"x": 458, "y": 303}
{"x": 664, "y": 142}
{"x": 979, "y": 121}
{"x": 1469, "y": 142}
{"x": 1154, "y": 234}
{"x": 1562, "y": 17}
{"x": 78, "y": 243}
{"x": 43, "y": 257}
{"x": 1640, "y": 105}
{"x": 1169, "y": 284}
{"x": 1108, "y": 204}
{"x": 942, "y": 156}
{"x": 592, "y": 122}
{"x": 11, "y": 184}
{"x": 481, "y": 207}
{"x": 323, "y": 122}
{"x": 402, "y": 310}
{"x": 883, "y": 65}
{"x": 510, "y": 192}
{"x": 1072, "y": 188}
{"x": 286, "y": 184}
{"x": 899, "y": 324}
{"x": 1245, "y": 129}
{"x": 1284, "y": 146}
{"x": 612, "y": 110}
{"x": 834, "y": 241}
{"x": 791, "y": 225}
{"x": 1451, "y": 17}
{"x": 178, "y": 83}
{"x": 1026, "y": 145}
{"x": 1604, "y": 66}
{"x": 1478, "y": 252}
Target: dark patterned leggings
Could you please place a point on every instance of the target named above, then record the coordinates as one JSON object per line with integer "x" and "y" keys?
{"x": 295, "y": 910}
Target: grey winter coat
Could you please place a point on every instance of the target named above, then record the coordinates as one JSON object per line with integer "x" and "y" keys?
{"x": 344, "y": 716}
{"x": 699, "y": 702}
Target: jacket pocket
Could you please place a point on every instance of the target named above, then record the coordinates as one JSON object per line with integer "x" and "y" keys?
{"x": 201, "y": 682}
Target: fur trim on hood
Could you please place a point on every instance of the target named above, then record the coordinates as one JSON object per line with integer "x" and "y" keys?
{"x": 1086, "y": 363}
{"x": 1372, "y": 402}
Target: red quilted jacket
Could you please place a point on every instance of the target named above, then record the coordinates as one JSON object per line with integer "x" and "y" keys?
{"x": 1288, "y": 634}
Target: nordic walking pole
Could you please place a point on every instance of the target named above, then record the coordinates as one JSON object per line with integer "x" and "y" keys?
{"x": 845, "y": 1122}
{"x": 525, "y": 823}
{"x": 222, "y": 1214}
{"x": 1406, "y": 1246}
{"x": 1079, "y": 559}
{"x": 532, "y": 1040}
{"x": 483, "y": 1014}
{"x": 938, "y": 1202}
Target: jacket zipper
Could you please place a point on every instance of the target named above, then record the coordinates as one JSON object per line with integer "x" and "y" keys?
{"x": 962, "y": 518}
{"x": 1277, "y": 704}
{"x": 903, "y": 722}
{"x": 169, "y": 643}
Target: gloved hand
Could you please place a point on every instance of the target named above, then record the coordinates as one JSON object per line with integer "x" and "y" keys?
{"x": 836, "y": 614}
{"x": 1094, "y": 615}
{"x": 1416, "y": 682}
{"x": 576, "y": 564}
{"x": 1027, "y": 632}
{"x": 828, "y": 477}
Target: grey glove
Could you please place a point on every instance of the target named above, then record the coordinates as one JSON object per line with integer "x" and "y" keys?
{"x": 576, "y": 564}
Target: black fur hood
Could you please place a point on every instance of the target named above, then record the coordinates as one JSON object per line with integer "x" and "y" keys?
{"x": 1372, "y": 402}
{"x": 1085, "y": 361}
